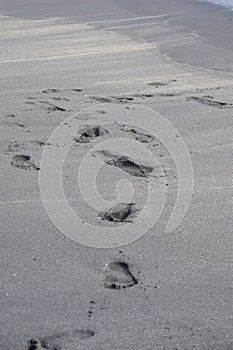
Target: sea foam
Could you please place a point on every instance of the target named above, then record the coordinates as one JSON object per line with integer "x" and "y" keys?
{"x": 225, "y": 3}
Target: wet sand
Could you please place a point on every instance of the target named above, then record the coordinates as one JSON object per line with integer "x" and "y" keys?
{"x": 164, "y": 291}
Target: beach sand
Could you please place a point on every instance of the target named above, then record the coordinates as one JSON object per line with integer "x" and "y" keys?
{"x": 165, "y": 290}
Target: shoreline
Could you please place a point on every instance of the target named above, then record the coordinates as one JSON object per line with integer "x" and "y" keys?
{"x": 210, "y": 28}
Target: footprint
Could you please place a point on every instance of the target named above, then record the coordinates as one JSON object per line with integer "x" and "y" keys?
{"x": 119, "y": 213}
{"x": 91, "y": 308}
{"x": 162, "y": 83}
{"x": 17, "y": 124}
{"x": 51, "y": 107}
{"x": 120, "y": 99}
{"x": 130, "y": 167}
{"x": 35, "y": 344}
{"x": 76, "y": 90}
{"x": 48, "y": 107}
{"x": 58, "y": 341}
{"x": 88, "y": 132}
{"x": 23, "y": 162}
{"x": 123, "y": 99}
{"x": 10, "y": 116}
{"x": 55, "y": 91}
{"x": 139, "y": 136}
{"x": 60, "y": 99}
{"x": 118, "y": 276}
{"x": 144, "y": 95}
{"x": 125, "y": 164}
{"x": 101, "y": 99}
{"x": 167, "y": 94}
{"x": 39, "y": 143}
{"x": 210, "y": 102}
{"x": 47, "y": 91}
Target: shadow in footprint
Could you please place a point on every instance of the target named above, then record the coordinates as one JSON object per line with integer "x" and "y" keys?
{"x": 130, "y": 167}
{"x": 162, "y": 83}
{"x": 138, "y": 135}
{"x": 51, "y": 107}
{"x": 111, "y": 99}
{"x": 143, "y": 96}
{"x": 17, "y": 124}
{"x": 46, "y": 106}
{"x": 60, "y": 99}
{"x": 210, "y": 102}
{"x": 55, "y": 91}
{"x": 10, "y": 116}
{"x": 35, "y": 344}
{"x": 125, "y": 164}
{"x": 87, "y": 133}
{"x": 58, "y": 341}
{"x": 23, "y": 162}
{"x": 118, "y": 213}
{"x": 118, "y": 276}
{"x": 39, "y": 143}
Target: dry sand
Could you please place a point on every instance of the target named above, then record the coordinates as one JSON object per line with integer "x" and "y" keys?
{"x": 60, "y": 57}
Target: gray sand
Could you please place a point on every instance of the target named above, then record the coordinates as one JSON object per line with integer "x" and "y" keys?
{"x": 58, "y": 58}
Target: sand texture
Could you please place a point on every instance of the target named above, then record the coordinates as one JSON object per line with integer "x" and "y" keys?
{"x": 164, "y": 291}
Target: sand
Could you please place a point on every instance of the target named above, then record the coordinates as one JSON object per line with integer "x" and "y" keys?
{"x": 173, "y": 290}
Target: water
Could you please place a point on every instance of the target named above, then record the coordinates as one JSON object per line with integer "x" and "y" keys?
{"x": 224, "y": 3}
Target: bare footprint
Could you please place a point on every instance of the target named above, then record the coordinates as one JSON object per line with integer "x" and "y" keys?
{"x": 23, "y": 162}
{"x": 110, "y": 99}
{"x": 58, "y": 341}
{"x": 55, "y": 91}
{"x": 35, "y": 344}
{"x": 89, "y": 132}
{"x": 130, "y": 167}
{"x": 143, "y": 96}
{"x": 46, "y": 106}
{"x": 210, "y": 102}
{"x": 49, "y": 107}
{"x": 118, "y": 276}
{"x": 162, "y": 83}
{"x": 119, "y": 213}
{"x": 125, "y": 164}
{"x": 138, "y": 135}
